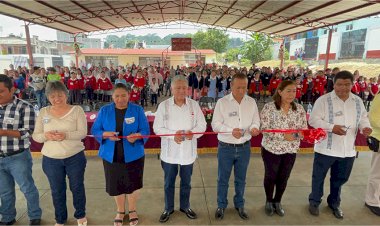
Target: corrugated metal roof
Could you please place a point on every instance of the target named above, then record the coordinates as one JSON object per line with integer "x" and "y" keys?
{"x": 268, "y": 16}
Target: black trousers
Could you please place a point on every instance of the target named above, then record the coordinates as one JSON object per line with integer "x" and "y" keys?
{"x": 340, "y": 170}
{"x": 277, "y": 172}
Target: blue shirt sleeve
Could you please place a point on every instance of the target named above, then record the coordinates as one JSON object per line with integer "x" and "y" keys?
{"x": 143, "y": 124}
{"x": 97, "y": 128}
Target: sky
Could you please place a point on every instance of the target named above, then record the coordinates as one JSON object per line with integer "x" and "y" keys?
{"x": 10, "y": 25}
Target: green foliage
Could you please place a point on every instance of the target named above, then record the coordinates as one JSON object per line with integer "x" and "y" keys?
{"x": 235, "y": 43}
{"x": 301, "y": 63}
{"x": 258, "y": 48}
{"x": 286, "y": 54}
{"x": 231, "y": 54}
{"x": 129, "y": 44}
{"x": 126, "y": 41}
{"x": 246, "y": 63}
{"x": 211, "y": 39}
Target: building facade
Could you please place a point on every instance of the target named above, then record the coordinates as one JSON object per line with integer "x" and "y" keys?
{"x": 351, "y": 40}
{"x": 144, "y": 57}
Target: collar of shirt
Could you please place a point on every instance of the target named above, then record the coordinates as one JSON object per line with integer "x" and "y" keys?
{"x": 232, "y": 98}
{"x": 171, "y": 101}
{"x": 14, "y": 101}
{"x": 334, "y": 96}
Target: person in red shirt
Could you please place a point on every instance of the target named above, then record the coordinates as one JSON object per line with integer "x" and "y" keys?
{"x": 362, "y": 87}
{"x": 373, "y": 88}
{"x": 135, "y": 95}
{"x": 104, "y": 84}
{"x": 129, "y": 77}
{"x": 299, "y": 89}
{"x": 139, "y": 80}
{"x": 307, "y": 88}
{"x": 319, "y": 85}
{"x": 356, "y": 87}
{"x": 274, "y": 82}
{"x": 256, "y": 86}
{"x": 80, "y": 79}
{"x": 73, "y": 87}
{"x": 90, "y": 86}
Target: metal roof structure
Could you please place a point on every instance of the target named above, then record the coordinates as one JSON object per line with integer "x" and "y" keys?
{"x": 276, "y": 17}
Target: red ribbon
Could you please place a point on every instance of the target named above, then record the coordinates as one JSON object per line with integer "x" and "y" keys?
{"x": 310, "y": 135}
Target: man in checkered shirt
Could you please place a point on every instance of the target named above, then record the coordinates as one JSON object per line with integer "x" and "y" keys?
{"x": 17, "y": 119}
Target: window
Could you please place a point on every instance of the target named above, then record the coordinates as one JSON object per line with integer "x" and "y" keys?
{"x": 325, "y": 31}
{"x": 352, "y": 45}
{"x": 54, "y": 51}
{"x": 106, "y": 61}
{"x": 349, "y": 27}
{"x": 10, "y": 50}
{"x": 23, "y": 50}
{"x": 315, "y": 33}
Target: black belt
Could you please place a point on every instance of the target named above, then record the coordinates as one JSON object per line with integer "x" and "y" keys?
{"x": 3, "y": 155}
{"x": 234, "y": 145}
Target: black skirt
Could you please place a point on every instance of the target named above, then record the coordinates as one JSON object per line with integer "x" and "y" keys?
{"x": 124, "y": 178}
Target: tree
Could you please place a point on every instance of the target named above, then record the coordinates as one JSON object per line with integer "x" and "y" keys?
{"x": 235, "y": 43}
{"x": 231, "y": 54}
{"x": 211, "y": 39}
{"x": 130, "y": 44}
{"x": 258, "y": 48}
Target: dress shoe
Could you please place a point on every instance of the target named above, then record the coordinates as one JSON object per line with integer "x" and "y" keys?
{"x": 243, "y": 215}
{"x": 35, "y": 222}
{"x": 165, "y": 216}
{"x": 8, "y": 223}
{"x": 269, "y": 210}
{"x": 279, "y": 210}
{"x": 189, "y": 213}
{"x": 374, "y": 209}
{"x": 314, "y": 210}
{"x": 337, "y": 211}
{"x": 219, "y": 213}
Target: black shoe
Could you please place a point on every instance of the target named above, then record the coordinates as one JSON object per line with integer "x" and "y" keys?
{"x": 337, "y": 211}
{"x": 279, "y": 210}
{"x": 165, "y": 216}
{"x": 8, "y": 223}
{"x": 269, "y": 210}
{"x": 314, "y": 210}
{"x": 374, "y": 209}
{"x": 35, "y": 222}
{"x": 219, "y": 213}
{"x": 189, "y": 213}
{"x": 243, "y": 215}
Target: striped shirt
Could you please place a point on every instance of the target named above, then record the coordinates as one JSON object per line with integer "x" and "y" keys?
{"x": 17, "y": 115}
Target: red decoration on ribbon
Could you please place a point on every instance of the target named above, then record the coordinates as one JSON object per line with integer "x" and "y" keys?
{"x": 314, "y": 136}
{"x": 311, "y": 136}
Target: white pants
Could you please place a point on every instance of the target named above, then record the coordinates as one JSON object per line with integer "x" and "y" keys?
{"x": 372, "y": 197}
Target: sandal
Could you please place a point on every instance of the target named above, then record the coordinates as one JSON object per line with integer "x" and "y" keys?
{"x": 118, "y": 221}
{"x": 133, "y": 221}
{"x": 84, "y": 223}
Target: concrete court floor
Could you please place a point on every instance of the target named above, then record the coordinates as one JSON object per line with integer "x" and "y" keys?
{"x": 101, "y": 207}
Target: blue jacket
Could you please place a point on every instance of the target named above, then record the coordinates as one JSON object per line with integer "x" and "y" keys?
{"x": 134, "y": 121}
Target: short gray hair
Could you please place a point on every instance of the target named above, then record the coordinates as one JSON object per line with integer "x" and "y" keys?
{"x": 56, "y": 86}
{"x": 178, "y": 78}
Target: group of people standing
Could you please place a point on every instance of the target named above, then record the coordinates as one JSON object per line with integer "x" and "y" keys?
{"x": 122, "y": 129}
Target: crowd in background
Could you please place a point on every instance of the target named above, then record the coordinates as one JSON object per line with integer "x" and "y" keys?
{"x": 94, "y": 84}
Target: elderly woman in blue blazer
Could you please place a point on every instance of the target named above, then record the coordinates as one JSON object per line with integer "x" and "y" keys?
{"x": 123, "y": 158}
